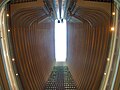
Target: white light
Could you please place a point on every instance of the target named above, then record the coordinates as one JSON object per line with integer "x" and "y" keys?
{"x": 16, "y": 74}
{"x": 60, "y": 41}
{"x": 7, "y": 15}
{"x": 108, "y": 59}
{"x": 112, "y": 29}
{"x": 113, "y": 13}
{"x": 13, "y": 59}
{"x": 104, "y": 73}
{"x": 8, "y": 30}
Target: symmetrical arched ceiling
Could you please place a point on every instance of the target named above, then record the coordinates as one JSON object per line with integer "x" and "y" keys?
{"x": 32, "y": 35}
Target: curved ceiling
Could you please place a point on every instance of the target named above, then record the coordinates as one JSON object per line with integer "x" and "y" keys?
{"x": 32, "y": 34}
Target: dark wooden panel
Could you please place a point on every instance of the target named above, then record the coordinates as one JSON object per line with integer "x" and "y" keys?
{"x": 100, "y": 0}
{"x": 33, "y": 45}
{"x": 21, "y": 1}
{"x": 88, "y": 46}
{"x": 3, "y": 79}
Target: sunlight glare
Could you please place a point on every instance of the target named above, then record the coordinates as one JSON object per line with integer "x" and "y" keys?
{"x": 60, "y": 41}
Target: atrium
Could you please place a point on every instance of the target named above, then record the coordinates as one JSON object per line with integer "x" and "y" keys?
{"x": 60, "y": 45}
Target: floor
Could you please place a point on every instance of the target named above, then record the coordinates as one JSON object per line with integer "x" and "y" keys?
{"x": 60, "y": 79}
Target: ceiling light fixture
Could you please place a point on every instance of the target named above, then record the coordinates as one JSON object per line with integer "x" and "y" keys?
{"x": 113, "y": 13}
{"x": 13, "y": 59}
{"x": 112, "y": 28}
{"x": 7, "y": 15}
{"x": 8, "y": 30}
{"x": 108, "y": 59}
{"x": 16, "y": 74}
{"x": 104, "y": 73}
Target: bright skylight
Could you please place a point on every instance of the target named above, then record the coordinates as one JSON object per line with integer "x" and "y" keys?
{"x": 60, "y": 41}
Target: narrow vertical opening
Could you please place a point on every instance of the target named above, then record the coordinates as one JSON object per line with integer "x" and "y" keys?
{"x": 60, "y": 41}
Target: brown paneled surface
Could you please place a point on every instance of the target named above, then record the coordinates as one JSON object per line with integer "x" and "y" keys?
{"x": 33, "y": 46}
{"x": 32, "y": 35}
{"x": 21, "y": 1}
{"x": 100, "y": 0}
{"x": 3, "y": 79}
{"x": 88, "y": 46}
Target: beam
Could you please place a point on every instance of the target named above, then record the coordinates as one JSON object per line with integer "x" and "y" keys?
{"x": 91, "y": 4}
{"x": 15, "y": 7}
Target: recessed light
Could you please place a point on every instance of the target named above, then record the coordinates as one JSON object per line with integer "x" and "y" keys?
{"x": 112, "y": 28}
{"x": 8, "y": 30}
{"x": 104, "y": 73}
{"x": 108, "y": 59}
{"x": 13, "y": 59}
{"x": 7, "y": 15}
{"x": 113, "y": 13}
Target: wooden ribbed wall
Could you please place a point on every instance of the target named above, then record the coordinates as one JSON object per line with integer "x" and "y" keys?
{"x": 3, "y": 78}
{"x": 21, "y": 1}
{"x": 88, "y": 47}
{"x": 33, "y": 46}
{"x": 99, "y": 0}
